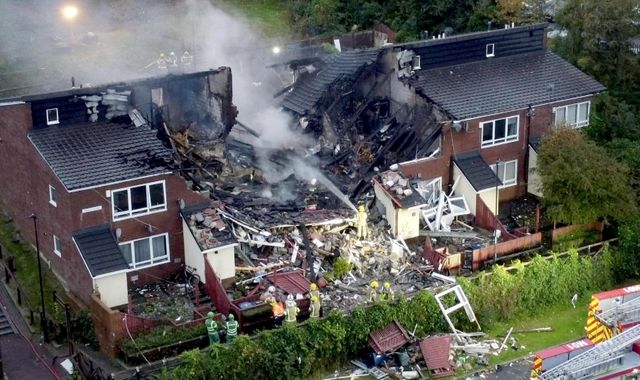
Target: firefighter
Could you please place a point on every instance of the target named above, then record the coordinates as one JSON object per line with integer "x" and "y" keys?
{"x": 232, "y": 328}
{"x": 186, "y": 59}
{"x": 315, "y": 307}
{"x": 313, "y": 291}
{"x": 268, "y": 295}
{"x": 278, "y": 312}
{"x": 373, "y": 291}
{"x": 361, "y": 223}
{"x": 173, "y": 60}
{"x": 291, "y": 310}
{"x": 162, "y": 62}
{"x": 212, "y": 329}
{"x": 386, "y": 294}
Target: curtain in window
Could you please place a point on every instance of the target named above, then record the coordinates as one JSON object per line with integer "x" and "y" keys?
{"x": 159, "y": 247}
{"x": 142, "y": 250}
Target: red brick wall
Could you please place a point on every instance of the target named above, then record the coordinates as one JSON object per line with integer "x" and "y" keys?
{"x": 24, "y": 188}
{"x": 466, "y": 141}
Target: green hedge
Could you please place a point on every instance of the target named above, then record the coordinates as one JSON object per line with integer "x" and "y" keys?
{"x": 321, "y": 344}
{"x": 161, "y": 336}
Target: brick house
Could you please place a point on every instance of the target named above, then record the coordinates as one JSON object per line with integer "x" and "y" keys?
{"x": 470, "y": 108}
{"x": 95, "y": 165}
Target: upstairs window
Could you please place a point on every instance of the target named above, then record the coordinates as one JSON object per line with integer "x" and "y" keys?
{"x": 53, "y": 196}
{"x": 52, "y": 116}
{"x": 490, "y": 50}
{"x": 138, "y": 200}
{"x": 146, "y": 252}
{"x": 507, "y": 172}
{"x": 500, "y": 131}
{"x": 415, "y": 62}
{"x": 573, "y": 115}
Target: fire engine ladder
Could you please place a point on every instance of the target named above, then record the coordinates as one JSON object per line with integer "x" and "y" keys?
{"x": 627, "y": 312}
{"x": 601, "y": 358}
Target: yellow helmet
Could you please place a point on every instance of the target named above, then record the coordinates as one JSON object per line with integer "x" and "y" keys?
{"x": 387, "y": 284}
{"x": 314, "y": 299}
{"x": 313, "y": 286}
{"x": 361, "y": 208}
{"x": 374, "y": 284}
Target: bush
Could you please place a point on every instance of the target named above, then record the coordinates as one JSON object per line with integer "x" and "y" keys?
{"x": 294, "y": 352}
{"x": 161, "y": 336}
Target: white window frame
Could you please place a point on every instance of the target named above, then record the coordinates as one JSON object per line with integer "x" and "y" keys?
{"x": 578, "y": 123}
{"x": 52, "y": 122}
{"x": 57, "y": 246}
{"x": 152, "y": 260}
{"x": 504, "y": 140}
{"x": 503, "y": 168}
{"x": 130, "y": 213}
{"x": 491, "y": 53}
{"x": 53, "y": 196}
{"x": 415, "y": 62}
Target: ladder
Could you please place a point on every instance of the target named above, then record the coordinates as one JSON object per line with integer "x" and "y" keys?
{"x": 601, "y": 358}
{"x": 627, "y": 312}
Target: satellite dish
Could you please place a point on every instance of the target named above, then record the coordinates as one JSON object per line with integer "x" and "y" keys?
{"x": 182, "y": 204}
{"x": 118, "y": 233}
{"x": 457, "y": 126}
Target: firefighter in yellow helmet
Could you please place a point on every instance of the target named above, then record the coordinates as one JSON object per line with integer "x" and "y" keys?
{"x": 386, "y": 294}
{"x": 313, "y": 291}
{"x": 361, "y": 223}
{"x": 373, "y": 291}
{"x": 315, "y": 307}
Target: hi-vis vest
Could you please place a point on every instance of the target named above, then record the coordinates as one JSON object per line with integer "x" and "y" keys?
{"x": 232, "y": 328}
{"x": 277, "y": 309}
{"x": 292, "y": 312}
{"x": 211, "y": 326}
{"x": 315, "y": 310}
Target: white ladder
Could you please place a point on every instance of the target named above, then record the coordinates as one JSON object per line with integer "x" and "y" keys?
{"x": 625, "y": 313}
{"x": 598, "y": 359}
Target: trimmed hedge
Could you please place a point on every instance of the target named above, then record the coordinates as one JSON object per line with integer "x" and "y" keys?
{"x": 295, "y": 352}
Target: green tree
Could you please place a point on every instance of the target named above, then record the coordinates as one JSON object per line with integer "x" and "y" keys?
{"x": 598, "y": 40}
{"x": 581, "y": 181}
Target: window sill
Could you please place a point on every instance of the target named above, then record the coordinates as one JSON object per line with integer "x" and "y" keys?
{"x": 53, "y": 203}
{"x": 58, "y": 253}
{"x": 129, "y": 216}
{"x": 482, "y": 146}
{"x": 145, "y": 266}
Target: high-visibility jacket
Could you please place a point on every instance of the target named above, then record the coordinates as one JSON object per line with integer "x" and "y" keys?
{"x": 278, "y": 309}
{"x": 232, "y": 328}
{"x": 315, "y": 310}
{"x": 292, "y": 313}
{"x": 212, "y": 327}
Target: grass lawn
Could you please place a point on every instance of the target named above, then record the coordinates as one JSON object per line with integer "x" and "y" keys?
{"x": 270, "y": 15}
{"x": 567, "y": 324}
{"x": 26, "y": 265}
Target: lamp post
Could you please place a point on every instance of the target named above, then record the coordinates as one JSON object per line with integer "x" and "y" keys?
{"x": 495, "y": 221}
{"x": 43, "y": 316}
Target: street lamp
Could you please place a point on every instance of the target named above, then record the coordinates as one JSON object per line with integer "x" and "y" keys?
{"x": 495, "y": 221}
{"x": 43, "y": 316}
{"x": 69, "y": 12}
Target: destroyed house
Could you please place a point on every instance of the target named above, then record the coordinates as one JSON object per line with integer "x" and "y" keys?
{"x": 97, "y": 168}
{"x": 453, "y": 109}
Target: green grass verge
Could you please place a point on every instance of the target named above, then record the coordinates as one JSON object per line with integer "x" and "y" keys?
{"x": 272, "y": 16}
{"x": 566, "y": 322}
{"x": 26, "y": 265}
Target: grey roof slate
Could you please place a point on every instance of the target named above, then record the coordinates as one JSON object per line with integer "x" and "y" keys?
{"x": 91, "y": 154}
{"x": 305, "y": 95}
{"x": 100, "y": 250}
{"x": 476, "y": 170}
{"x": 503, "y": 84}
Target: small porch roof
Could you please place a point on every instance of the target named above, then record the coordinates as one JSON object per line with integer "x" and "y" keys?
{"x": 477, "y": 171}
{"x": 99, "y": 250}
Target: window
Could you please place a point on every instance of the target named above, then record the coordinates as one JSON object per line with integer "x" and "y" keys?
{"x": 52, "y": 116}
{"x": 138, "y": 200}
{"x": 429, "y": 189}
{"x": 57, "y": 247}
{"x": 507, "y": 172}
{"x": 415, "y": 62}
{"x": 490, "y": 50}
{"x": 53, "y": 196}
{"x": 573, "y": 115}
{"x": 500, "y": 131}
{"x": 145, "y": 252}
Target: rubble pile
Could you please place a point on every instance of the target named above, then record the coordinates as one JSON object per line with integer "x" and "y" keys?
{"x": 166, "y": 302}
